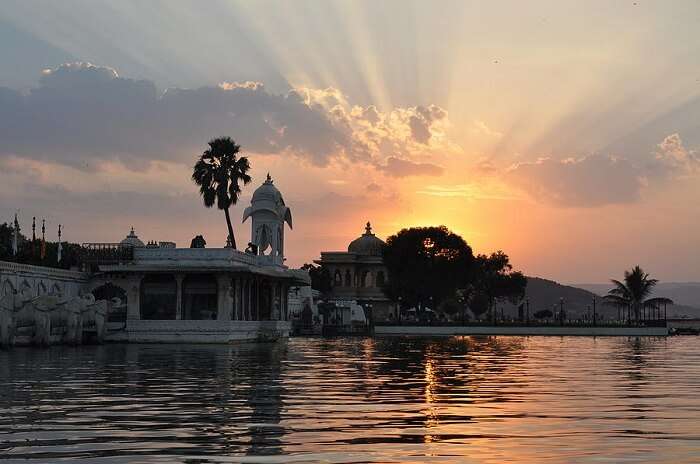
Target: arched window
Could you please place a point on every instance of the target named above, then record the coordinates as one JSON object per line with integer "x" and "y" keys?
{"x": 366, "y": 279}
{"x": 348, "y": 278}
{"x": 337, "y": 279}
{"x": 381, "y": 280}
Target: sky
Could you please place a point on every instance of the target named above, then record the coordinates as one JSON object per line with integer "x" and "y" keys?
{"x": 566, "y": 134}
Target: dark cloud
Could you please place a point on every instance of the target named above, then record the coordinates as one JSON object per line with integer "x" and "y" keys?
{"x": 590, "y": 181}
{"x": 82, "y": 112}
{"x": 397, "y": 167}
{"x": 423, "y": 119}
{"x": 599, "y": 180}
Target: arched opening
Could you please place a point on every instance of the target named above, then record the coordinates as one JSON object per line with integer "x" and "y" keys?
{"x": 337, "y": 279}
{"x": 199, "y": 297}
{"x": 158, "y": 297}
{"x": 110, "y": 291}
{"x": 348, "y": 278}
{"x": 381, "y": 280}
{"x": 366, "y": 279}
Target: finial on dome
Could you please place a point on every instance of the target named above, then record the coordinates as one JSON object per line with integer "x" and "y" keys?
{"x": 132, "y": 231}
{"x": 368, "y": 229}
{"x": 269, "y": 179}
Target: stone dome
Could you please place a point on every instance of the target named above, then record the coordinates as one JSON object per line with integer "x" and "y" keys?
{"x": 132, "y": 240}
{"x": 367, "y": 244}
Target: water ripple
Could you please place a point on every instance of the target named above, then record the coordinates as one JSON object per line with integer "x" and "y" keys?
{"x": 464, "y": 399}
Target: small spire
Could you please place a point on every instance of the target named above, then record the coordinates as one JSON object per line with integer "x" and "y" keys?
{"x": 368, "y": 229}
{"x": 269, "y": 179}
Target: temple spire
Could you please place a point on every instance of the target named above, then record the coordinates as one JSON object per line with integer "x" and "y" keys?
{"x": 368, "y": 229}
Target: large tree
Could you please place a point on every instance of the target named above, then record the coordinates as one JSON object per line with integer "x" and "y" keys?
{"x": 426, "y": 264}
{"x": 219, "y": 173}
{"x": 494, "y": 280}
{"x": 633, "y": 292}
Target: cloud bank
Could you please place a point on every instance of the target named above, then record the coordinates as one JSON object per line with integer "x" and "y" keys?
{"x": 81, "y": 114}
{"x": 599, "y": 180}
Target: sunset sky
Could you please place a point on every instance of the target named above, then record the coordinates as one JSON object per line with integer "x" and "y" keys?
{"x": 565, "y": 133}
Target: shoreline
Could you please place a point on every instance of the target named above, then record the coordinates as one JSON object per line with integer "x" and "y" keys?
{"x": 447, "y": 331}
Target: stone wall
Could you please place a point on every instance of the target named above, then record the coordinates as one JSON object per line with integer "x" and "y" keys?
{"x": 39, "y": 280}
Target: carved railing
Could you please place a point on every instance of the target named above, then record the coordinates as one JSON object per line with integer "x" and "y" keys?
{"x": 93, "y": 254}
{"x": 49, "y": 272}
{"x": 205, "y": 254}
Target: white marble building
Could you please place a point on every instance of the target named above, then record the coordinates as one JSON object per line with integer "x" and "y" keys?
{"x": 203, "y": 294}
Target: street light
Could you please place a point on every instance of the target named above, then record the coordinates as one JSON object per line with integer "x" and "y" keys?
{"x": 594, "y": 315}
{"x": 561, "y": 311}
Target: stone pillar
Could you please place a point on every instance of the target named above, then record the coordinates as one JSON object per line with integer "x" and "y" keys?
{"x": 178, "y": 302}
{"x": 285, "y": 302}
{"x": 256, "y": 303}
{"x": 235, "y": 288}
{"x": 224, "y": 297}
{"x": 133, "y": 298}
{"x": 250, "y": 299}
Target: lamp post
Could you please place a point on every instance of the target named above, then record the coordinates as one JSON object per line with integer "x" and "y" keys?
{"x": 561, "y": 311}
{"x": 594, "y": 314}
{"x": 398, "y": 310}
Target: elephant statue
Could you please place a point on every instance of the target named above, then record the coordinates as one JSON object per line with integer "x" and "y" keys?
{"x": 13, "y": 315}
{"x": 49, "y": 312}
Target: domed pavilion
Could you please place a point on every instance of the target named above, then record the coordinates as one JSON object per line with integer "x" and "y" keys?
{"x": 359, "y": 274}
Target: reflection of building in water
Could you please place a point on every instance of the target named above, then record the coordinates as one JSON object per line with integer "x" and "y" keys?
{"x": 359, "y": 274}
{"x": 265, "y": 399}
{"x": 204, "y": 294}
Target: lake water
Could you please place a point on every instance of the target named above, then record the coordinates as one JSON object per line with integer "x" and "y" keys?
{"x": 490, "y": 399}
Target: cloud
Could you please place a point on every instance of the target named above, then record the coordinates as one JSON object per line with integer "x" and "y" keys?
{"x": 396, "y": 167}
{"x": 589, "y": 181}
{"x": 673, "y": 153}
{"x": 81, "y": 113}
{"x": 598, "y": 180}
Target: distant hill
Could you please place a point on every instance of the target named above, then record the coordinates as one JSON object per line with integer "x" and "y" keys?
{"x": 545, "y": 294}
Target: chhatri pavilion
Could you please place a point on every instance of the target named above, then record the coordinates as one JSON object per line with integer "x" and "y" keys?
{"x": 203, "y": 294}
{"x": 358, "y": 275}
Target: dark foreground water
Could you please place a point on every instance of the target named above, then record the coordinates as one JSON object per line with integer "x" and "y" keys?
{"x": 491, "y": 399}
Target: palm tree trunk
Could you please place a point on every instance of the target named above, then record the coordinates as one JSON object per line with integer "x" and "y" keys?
{"x": 230, "y": 228}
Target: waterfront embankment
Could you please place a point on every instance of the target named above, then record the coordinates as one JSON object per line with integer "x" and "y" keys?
{"x": 427, "y": 330}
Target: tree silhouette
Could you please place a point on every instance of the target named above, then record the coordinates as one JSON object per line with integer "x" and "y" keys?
{"x": 494, "y": 280}
{"x": 426, "y": 263}
{"x": 633, "y": 292}
{"x": 218, "y": 173}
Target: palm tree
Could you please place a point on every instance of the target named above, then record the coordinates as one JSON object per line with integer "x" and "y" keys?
{"x": 218, "y": 173}
{"x": 633, "y": 293}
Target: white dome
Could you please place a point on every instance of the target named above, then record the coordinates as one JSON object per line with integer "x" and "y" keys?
{"x": 267, "y": 197}
{"x": 132, "y": 240}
